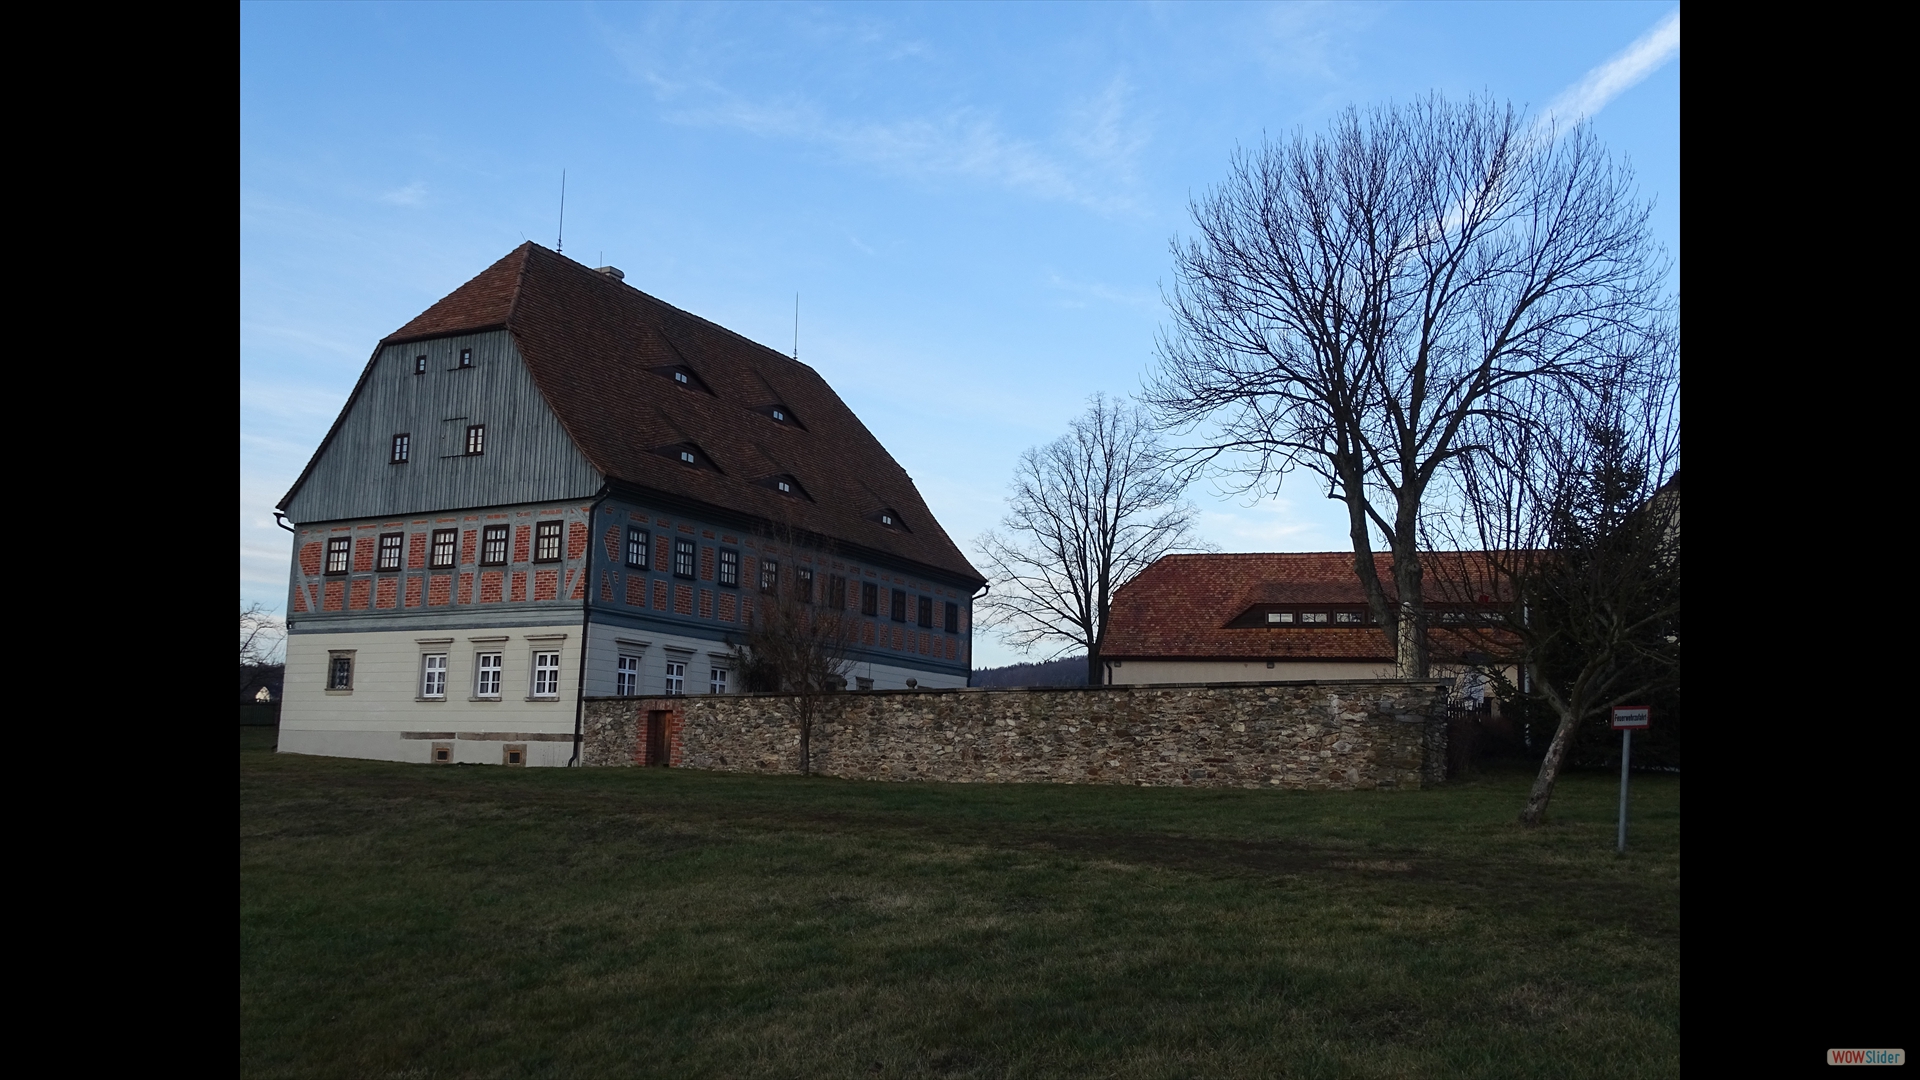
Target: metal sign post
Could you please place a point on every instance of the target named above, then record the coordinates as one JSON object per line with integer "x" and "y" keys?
{"x": 1626, "y": 719}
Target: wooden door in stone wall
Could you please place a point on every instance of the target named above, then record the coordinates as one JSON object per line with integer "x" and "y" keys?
{"x": 658, "y": 750}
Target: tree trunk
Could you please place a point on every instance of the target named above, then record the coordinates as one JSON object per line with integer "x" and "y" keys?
{"x": 1536, "y": 808}
{"x": 806, "y": 737}
{"x": 1095, "y": 674}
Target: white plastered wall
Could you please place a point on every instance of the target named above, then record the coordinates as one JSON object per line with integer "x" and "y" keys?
{"x": 370, "y": 720}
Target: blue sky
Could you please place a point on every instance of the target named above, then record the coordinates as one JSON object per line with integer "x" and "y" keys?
{"x": 974, "y": 201}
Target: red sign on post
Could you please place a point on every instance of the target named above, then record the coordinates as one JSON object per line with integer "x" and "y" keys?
{"x": 1631, "y": 717}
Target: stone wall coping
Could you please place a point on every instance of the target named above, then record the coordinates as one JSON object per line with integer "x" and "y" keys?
{"x": 929, "y": 691}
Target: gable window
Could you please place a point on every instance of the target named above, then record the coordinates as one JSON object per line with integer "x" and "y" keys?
{"x": 717, "y": 681}
{"x": 953, "y": 617}
{"x": 476, "y": 439}
{"x": 486, "y": 681}
{"x": 769, "y": 575}
{"x": 546, "y": 542}
{"x": 837, "y": 592}
{"x": 682, "y": 558}
{"x": 420, "y": 364}
{"x": 869, "y": 598}
{"x": 340, "y": 671}
{"x": 546, "y": 674}
{"x": 638, "y": 544}
{"x": 803, "y": 584}
{"x": 899, "y": 605}
{"x": 1279, "y": 617}
{"x": 493, "y": 545}
{"x": 402, "y": 446}
{"x": 626, "y": 678}
{"x": 433, "y": 676}
{"x": 390, "y": 545}
{"x": 339, "y": 552}
{"x": 466, "y": 357}
{"x": 730, "y": 567}
{"x": 926, "y": 611}
{"x": 443, "y": 544}
{"x": 676, "y": 677}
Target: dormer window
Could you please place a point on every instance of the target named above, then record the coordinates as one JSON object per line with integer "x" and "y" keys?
{"x": 780, "y": 415}
{"x": 680, "y": 377}
{"x": 886, "y": 519}
{"x": 1276, "y": 617}
{"x": 683, "y": 377}
{"x": 784, "y": 486}
{"x": 890, "y": 518}
{"x": 687, "y": 456}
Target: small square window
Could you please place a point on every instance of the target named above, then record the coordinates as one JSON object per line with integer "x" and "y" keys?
{"x": 638, "y": 545}
{"x": 420, "y": 364}
{"x": 402, "y": 446}
{"x": 729, "y": 567}
{"x": 443, "y": 547}
{"x": 899, "y": 605}
{"x": 433, "y": 676}
{"x": 546, "y": 542}
{"x": 493, "y": 546}
{"x": 784, "y": 486}
{"x": 769, "y": 575}
{"x": 486, "y": 683}
{"x": 466, "y": 357}
{"x": 390, "y": 548}
{"x": 886, "y": 519}
{"x": 683, "y": 551}
{"x": 780, "y": 416}
{"x": 339, "y": 554}
{"x": 687, "y": 456}
{"x": 546, "y": 674}
{"x": 869, "y": 598}
{"x": 476, "y": 438}
{"x": 717, "y": 681}
{"x": 953, "y": 617}
{"x": 676, "y": 678}
{"x": 681, "y": 378}
{"x": 626, "y": 677}
{"x": 926, "y": 611}
{"x": 1279, "y": 616}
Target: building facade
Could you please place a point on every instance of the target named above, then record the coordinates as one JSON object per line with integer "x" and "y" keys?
{"x": 551, "y": 486}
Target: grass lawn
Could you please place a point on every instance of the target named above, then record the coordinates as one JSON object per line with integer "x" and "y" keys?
{"x": 422, "y": 921}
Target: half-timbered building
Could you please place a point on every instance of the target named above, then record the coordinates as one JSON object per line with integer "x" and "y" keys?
{"x": 551, "y": 485}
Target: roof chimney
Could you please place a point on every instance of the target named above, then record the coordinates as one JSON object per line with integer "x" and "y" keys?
{"x": 611, "y": 271}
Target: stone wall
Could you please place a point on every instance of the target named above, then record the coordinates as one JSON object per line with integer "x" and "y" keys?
{"x": 1349, "y": 734}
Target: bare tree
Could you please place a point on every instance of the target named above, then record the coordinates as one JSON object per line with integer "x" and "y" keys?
{"x": 1355, "y": 299}
{"x": 261, "y": 634}
{"x": 799, "y": 631}
{"x": 1573, "y": 522}
{"x": 1088, "y": 512}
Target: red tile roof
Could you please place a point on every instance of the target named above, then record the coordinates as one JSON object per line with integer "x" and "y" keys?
{"x": 1180, "y": 607}
{"x": 592, "y": 343}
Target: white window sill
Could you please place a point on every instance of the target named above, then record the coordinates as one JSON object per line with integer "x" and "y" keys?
{"x": 435, "y": 700}
{"x": 492, "y": 699}
{"x": 548, "y": 700}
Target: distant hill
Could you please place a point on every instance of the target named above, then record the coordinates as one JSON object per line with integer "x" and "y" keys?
{"x": 1067, "y": 671}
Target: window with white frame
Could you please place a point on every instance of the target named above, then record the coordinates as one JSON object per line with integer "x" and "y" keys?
{"x": 546, "y": 542}
{"x": 420, "y": 364}
{"x": 546, "y": 674}
{"x": 466, "y": 357}
{"x": 729, "y": 567}
{"x": 676, "y": 677}
{"x": 402, "y": 446}
{"x": 443, "y": 547}
{"x": 433, "y": 675}
{"x": 486, "y": 680}
{"x": 339, "y": 552}
{"x": 717, "y": 681}
{"x": 390, "y": 546}
{"x": 769, "y": 575}
{"x": 476, "y": 438}
{"x": 637, "y": 541}
{"x": 493, "y": 546}
{"x": 626, "y": 677}
{"x": 1279, "y": 616}
{"x": 683, "y": 558}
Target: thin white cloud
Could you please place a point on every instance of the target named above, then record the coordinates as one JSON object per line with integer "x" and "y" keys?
{"x": 1617, "y": 75}
{"x": 413, "y": 194}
